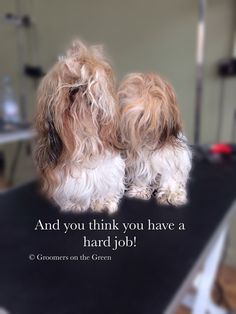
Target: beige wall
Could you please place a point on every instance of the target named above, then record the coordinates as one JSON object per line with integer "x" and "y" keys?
{"x": 139, "y": 35}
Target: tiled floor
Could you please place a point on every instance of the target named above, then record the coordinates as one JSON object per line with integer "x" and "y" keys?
{"x": 224, "y": 292}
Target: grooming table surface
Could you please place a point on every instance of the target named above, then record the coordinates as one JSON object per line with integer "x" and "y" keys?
{"x": 139, "y": 280}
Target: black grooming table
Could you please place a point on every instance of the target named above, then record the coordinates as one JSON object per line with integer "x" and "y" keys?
{"x": 138, "y": 280}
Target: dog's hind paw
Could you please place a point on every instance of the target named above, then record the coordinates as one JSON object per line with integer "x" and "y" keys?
{"x": 176, "y": 198}
{"x": 109, "y": 205}
{"x": 143, "y": 193}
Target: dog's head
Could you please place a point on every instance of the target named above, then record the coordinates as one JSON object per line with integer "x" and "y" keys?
{"x": 150, "y": 114}
{"x": 77, "y": 113}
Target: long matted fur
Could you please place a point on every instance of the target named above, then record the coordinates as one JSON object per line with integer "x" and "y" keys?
{"x": 77, "y": 123}
{"x": 157, "y": 155}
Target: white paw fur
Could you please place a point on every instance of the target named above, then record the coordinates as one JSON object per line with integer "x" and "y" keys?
{"x": 143, "y": 193}
{"x": 176, "y": 197}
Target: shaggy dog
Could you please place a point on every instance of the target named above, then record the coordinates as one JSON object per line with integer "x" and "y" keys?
{"x": 77, "y": 123}
{"x": 157, "y": 154}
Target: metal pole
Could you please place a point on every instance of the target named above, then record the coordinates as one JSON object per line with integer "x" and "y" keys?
{"x": 199, "y": 69}
{"x": 22, "y": 81}
{"x": 221, "y": 109}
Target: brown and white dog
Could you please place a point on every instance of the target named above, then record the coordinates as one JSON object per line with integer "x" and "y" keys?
{"x": 157, "y": 154}
{"x": 77, "y": 123}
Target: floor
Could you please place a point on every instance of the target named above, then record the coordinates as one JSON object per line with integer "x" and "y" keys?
{"x": 224, "y": 292}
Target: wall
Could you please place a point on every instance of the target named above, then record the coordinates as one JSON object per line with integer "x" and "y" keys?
{"x": 139, "y": 35}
